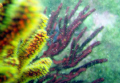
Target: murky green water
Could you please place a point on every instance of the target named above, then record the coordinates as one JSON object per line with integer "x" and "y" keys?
{"x": 107, "y": 14}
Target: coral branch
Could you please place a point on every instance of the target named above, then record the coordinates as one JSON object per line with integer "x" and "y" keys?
{"x": 45, "y": 10}
{"x": 89, "y": 64}
{"x": 73, "y": 11}
{"x": 98, "y": 80}
{"x": 52, "y": 19}
{"x": 90, "y": 38}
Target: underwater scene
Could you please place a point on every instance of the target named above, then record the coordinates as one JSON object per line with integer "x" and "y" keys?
{"x": 59, "y": 41}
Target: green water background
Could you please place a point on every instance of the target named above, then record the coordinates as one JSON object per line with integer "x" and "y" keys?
{"x": 107, "y": 14}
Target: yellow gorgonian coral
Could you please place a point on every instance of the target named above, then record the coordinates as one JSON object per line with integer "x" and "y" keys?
{"x": 22, "y": 36}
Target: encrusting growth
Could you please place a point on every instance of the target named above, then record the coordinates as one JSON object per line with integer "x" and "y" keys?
{"x": 22, "y": 36}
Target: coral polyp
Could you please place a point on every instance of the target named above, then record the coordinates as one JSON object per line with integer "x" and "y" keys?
{"x": 22, "y": 37}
